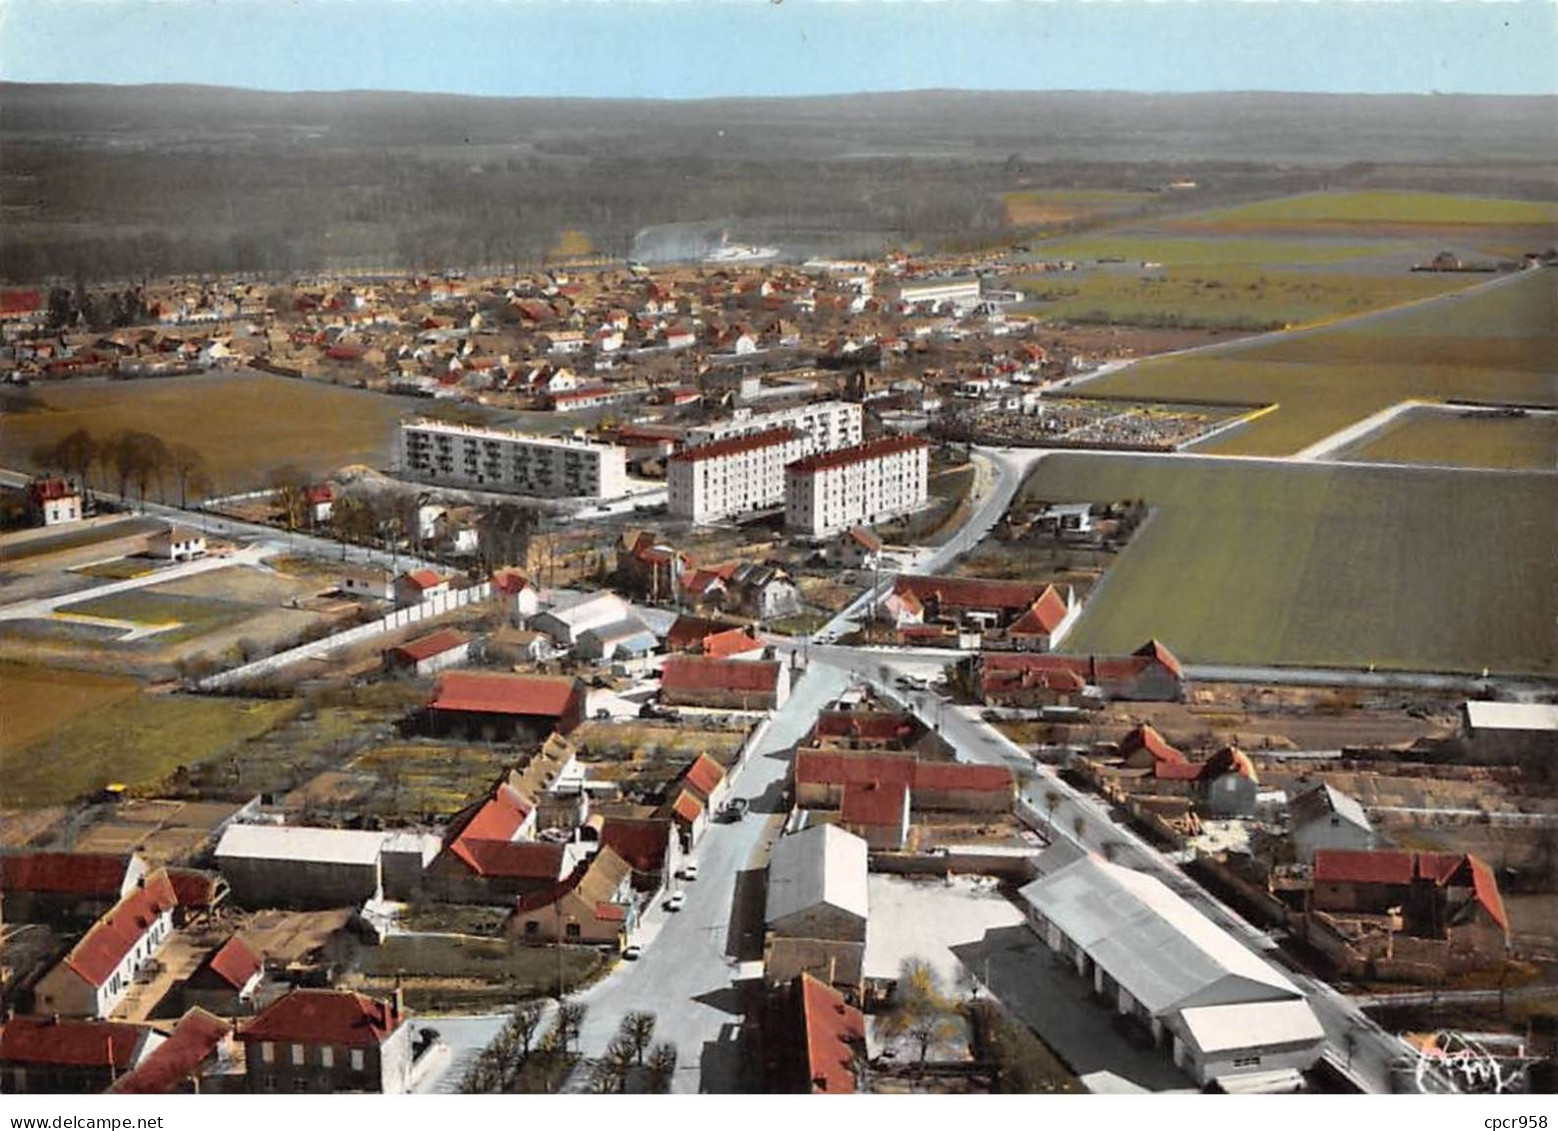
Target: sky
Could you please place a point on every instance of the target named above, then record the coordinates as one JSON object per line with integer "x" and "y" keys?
{"x": 727, "y": 48}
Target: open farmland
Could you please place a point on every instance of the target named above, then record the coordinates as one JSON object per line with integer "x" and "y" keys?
{"x": 138, "y": 741}
{"x": 1495, "y": 345}
{"x": 1155, "y": 247}
{"x": 1307, "y": 564}
{"x": 35, "y": 701}
{"x": 1466, "y": 439}
{"x": 1374, "y": 209}
{"x": 1221, "y": 296}
{"x": 243, "y": 424}
{"x": 1042, "y": 207}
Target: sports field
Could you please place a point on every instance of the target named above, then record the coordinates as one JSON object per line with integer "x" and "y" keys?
{"x": 1495, "y": 345}
{"x": 1311, "y": 565}
{"x": 243, "y": 424}
{"x": 1375, "y": 209}
{"x": 1467, "y": 439}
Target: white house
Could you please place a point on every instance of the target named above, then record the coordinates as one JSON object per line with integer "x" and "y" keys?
{"x": 368, "y": 581}
{"x": 54, "y": 501}
{"x": 94, "y": 977}
{"x": 178, "y": 543}
{"x": 565, "y": 626}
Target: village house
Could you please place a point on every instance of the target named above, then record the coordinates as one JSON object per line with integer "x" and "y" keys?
{"x": 178, "y": 543}
{"x": 739, "y": 685}
{"x": 592, "y": 907}
{"x": 226, "y": 981}
{"x": 649, "y": 845}
{"x": 1013, "y": 679}
{"x": 56, "y": 1055}
{"x": 817, "y": 886}
{"x": 700, "y": 636}
{"x": 430, "y": 654}
{"x": 418, "y": 586}
{"x": 499, "y": 705}
{"x": 198, "y": 1052}
{"x": 1017, "y": 614}
{"x": 368, "y": 581}
{"x": 1323, "y": 817}
{"x": 516, "y": 595}
{"x": 329, "y": 1041}
{"x": 99, "y": 970}
{"x": 855, "y": 548}
{"x": 319, "y": 503}
{"x": 53, "y": 501}
{"x": 814, "y": 1039}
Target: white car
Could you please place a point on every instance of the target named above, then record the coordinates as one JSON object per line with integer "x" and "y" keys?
{"x": 676, "y": 901}
{"x": 690, "y": 870}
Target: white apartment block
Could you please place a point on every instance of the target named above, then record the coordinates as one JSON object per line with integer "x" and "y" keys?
{"x": 731, "y": 477}
{"x": 823, "y": 426}
{"x": 833, "y": 491}
{"x": 492, "y": 459}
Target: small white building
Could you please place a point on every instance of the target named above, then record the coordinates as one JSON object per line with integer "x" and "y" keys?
{"x": 368, "y": 581}
{"x": 178, "y": 544}
{"x": 419, "y": 585}
{"x": 817, "y": 886}
{"x": 565, "y": 626}
{"x": 1325, "y": 817}
{"x": 54, "y": 501}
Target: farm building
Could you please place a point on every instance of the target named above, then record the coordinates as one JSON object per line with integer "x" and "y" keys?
{"x": 565, "y": 626}
{"x": 825, "y": 779}
{"x": 1501, "y": 732}
{"x": 292, "y": 866}
{"x": 1326, "y": 818}
{"x": 1153, "y": 957}
{"x": 49, "y": 887}
{"x": 420, "y": 585}
{"x": 492, "y": 706}
{"x": 745, "y": 685}
{"x": 368, "y": 581}
{"x": 592, "y": 907}
{"x": 490, "y": 853}
{"x": 1150, "y": 674}
{"x": 53, "y": 1055}
{"x": 814, "y": 1040}
{"x": 226, "y": 980}
{"x": 817, "y": 886}
{"x": 430, "y": 654}
{"x": 99, "y": 970}
{"x": 1027, "y": 615}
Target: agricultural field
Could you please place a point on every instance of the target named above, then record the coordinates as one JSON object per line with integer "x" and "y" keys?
{"x": 1465, "y": 439}
{"x": 1220, "y": 296}
{"x": 1374, "y": 209}
{"x": 1307, "y": 564}
{"x": 34, "y": 701}
{"x": 242, "y": 424}
{"x": 1154, "y": 247}
{"x": 1037, "y": 208}
{"x": 138, "y": 740}
{"x": 1495, "y": 345}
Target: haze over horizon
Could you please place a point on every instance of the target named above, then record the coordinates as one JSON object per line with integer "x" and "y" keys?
{"x": 636, "y": 49}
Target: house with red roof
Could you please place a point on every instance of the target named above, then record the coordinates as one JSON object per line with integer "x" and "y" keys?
{"x": 1144, "y": 748}
{"x": 592, "y": 907}
{"x": 1020, "y": 614}
{"x": 226, "y": 980}
{"x": 826, "y": 779}
{"x": 1017, "y": 679}
{"x": 58, "y": 1055}
{"x": 429, "y": 654}
{"x": 857, "y": 547}
{"x": 200, "y": 1047}
{"x": 814, "y": 1041}
{"x": 502, "y": 705}
{"x": 50, "y": 887}
{"x": 517, "y": 593}
{"x": 419, "y": 585}
{"x": 724, "y": 684}
{"x": 53, "y": 501}
{"x": 99, "y": 970}
{"x": 648, "y": 844}
{"x": 329, "y": 1041}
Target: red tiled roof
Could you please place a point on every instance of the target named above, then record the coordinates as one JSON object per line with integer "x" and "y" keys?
{"x": 1229, "y": 760}
{"x": 642, "y": 842}
{"x": 324, "y": 1017}
{"x": 433, "y": 644}
{"x": 319, "y": 493}
{"x": 731, "y": 642}
{"x": 503, "y": 693}
{"x": 173, "y": 1062}
{"x": 105, "y": 944}
{"x": 687, "y": 806}
{"x": 834, "y": 1031}
{"x": 1177, "y": 771}
{"x": 64, "y": 873}
{"x": 47, "y": 490}
{"x": 20, "y": 302}
{"x": 233, "y": 962}
{"x": 195, "y": 890}
{"x": 510, "y": 582}
{"x": 827, "y": 767}
{"x": 522, "y": 860}
{"x": 962, "y": 777}
{"x": 878, "y": 726}
{"x": 425, "y": 578}
{"x": 493, "y": 822}
{"x": 704, "y": 776}
{"x": 697, "y": 673}
{"x": 689, "y": 632}
{"x": 735, "y": 445}
{"x": 844, "y": 457}
{"x": 1356, "y": 866}
{"x": 874, "y": 803}
{"x": 1155, "y": 650}
{"x": 1044, "y": 617}
{"x": 970, "y": 592}
{"x": 1146, "y": 737}
{"x": 83, "y": 1044}
{"x": 1485, "y": 890}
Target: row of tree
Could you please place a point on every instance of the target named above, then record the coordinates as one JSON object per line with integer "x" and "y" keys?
{"x": 525, "y": 1057}
{"x": 124, "y": 459}
{"x": 68, "y": 309}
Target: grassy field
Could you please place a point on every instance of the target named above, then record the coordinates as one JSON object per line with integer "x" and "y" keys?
{"x": 1470, "y": 439}
{"x": 448, "y": 974}
{"x": 138, "y": 741}
{"x": 35, "y": 701}
{"x": 243, "y": 424}
{"x": 1363, "y": 209}
{"x": 419, "y": 778}
{"x": 1317, "y": 565}
{"x": 1173, "y": 251}
{"x": 195, "y": 616}
{"x": 1040, "y": 207}
{"x": 1496, "y": 345}
{"x": 1227, "y": 296}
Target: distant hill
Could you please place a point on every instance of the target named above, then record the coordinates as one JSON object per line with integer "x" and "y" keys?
{"x": 114, "y": 181}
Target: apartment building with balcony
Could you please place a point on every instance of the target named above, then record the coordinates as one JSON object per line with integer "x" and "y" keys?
{"x": 732, "y": 477}
{"x": 858, "y": 486}
{"x": 823, "y": 426}
{"x": 493, "y": 459}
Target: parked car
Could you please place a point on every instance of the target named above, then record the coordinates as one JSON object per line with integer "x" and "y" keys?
{"x": 690, "y": 870}
{"x": 676, "y": 901}
{"x": 734, "y": 809}
{"x": 632, "y": 951}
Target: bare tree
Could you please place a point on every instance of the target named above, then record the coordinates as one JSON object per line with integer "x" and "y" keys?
{"x": 920, "y": 1010}
{"x": 189, "y": 468}
{"x": 570, "y": 1022}
{"x": 291, "y": 486}
{"x": 662, "y": 1066}
{"x": 638, "y": 1029}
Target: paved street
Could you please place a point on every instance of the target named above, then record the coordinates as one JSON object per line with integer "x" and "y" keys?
{"x": 684, "y": 975}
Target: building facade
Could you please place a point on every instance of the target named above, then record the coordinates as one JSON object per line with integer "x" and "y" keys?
{"x": 823, "y": 426}
{"x": 494, "y": 459}
{"x": 732, "y": 477}
{"x": 833, "y": 491}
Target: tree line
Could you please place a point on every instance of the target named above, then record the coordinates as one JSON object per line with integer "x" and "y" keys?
{"x": 123, "y": 459}
{"x": 529, "y": 1056}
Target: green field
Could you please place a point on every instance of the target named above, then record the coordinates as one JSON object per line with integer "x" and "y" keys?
{"x": 1038, "y": 207}
{"x": 34, "y": 701}
{"x": 1496, "y": 345}
{"x": 243, "y": 424}
{"x": 1307, "y": 564}
{"x": 1174, "y": 251}
{"x": 1472, "y": 439}
{"x": 138, "y": 741}
{"x": 1227, "y": 296}
{"x": 1379, "y": 208}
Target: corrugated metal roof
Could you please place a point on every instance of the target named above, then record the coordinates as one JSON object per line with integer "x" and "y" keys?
{"x": 1218, "y": 1028}
{"x": 1163, "y": 951}
{"x": 822, "y": 865}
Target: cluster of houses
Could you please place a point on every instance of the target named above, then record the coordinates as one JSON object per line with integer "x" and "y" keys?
{"x": 974, "y": 613}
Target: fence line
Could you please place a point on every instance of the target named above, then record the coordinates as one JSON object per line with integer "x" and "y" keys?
{"x": 390, "y": 622}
